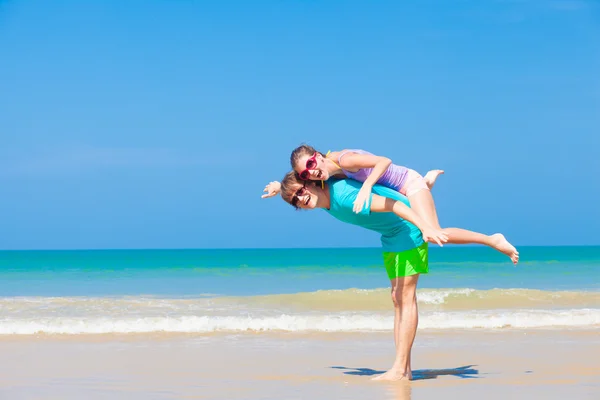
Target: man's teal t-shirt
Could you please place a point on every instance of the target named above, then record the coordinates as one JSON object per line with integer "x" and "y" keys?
{"x": 397, "y": 234}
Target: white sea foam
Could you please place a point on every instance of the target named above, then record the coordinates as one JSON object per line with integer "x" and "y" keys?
{"x": 343, "y": 322}
{"x": 439, "y": 296}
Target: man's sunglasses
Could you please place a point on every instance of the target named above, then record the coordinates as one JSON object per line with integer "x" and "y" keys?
{"x": 299, "y": 192}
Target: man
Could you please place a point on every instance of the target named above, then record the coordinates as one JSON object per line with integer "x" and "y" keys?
{"x": 405, "y": 252}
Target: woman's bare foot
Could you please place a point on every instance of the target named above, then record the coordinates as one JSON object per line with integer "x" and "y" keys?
{"x": 393, "y": 375}
{"x": 500, "y": 243}
{"x": 432, "y": 176}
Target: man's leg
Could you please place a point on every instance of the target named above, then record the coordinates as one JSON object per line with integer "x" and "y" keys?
{"x": 396, "y": 318}
{"x": 405, "y": 303}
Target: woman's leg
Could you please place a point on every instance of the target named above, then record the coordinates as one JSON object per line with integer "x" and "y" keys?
{"x": 431, "y": 176}
{"x": 422, "y": 203}
{"x": 405, "y": 303}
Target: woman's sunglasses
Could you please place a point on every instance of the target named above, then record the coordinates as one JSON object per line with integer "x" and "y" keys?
{"x": 311, "y": 164}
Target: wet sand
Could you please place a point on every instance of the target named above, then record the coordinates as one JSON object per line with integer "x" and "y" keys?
{"x": 458, "y": 364}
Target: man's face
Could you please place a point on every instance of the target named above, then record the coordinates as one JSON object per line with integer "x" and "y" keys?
{"x": 306, "y": 197}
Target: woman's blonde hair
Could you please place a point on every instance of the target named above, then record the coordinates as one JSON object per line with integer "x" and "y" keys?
{"x": 304, "y": 150}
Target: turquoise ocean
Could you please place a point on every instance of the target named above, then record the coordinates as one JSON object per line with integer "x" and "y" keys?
{"x": 290, "y": 290}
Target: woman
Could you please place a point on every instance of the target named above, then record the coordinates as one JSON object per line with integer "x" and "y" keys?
{"x": 311, "y": 165}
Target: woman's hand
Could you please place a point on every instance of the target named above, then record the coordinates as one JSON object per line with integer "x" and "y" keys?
{"x": 362, "y": 199}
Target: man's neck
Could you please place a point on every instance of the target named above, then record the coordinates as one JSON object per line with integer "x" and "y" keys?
{"x": 324, "y": 198}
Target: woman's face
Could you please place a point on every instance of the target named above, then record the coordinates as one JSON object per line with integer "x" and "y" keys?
{"x": 311, "y": 167}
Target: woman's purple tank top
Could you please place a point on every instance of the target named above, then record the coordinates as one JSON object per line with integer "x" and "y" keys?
{"x": 394, "y": 177}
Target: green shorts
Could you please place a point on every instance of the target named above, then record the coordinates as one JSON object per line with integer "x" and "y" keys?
{"x": 407, "y": 263}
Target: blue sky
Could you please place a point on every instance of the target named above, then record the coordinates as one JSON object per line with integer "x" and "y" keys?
{"x": 156, "y": 124}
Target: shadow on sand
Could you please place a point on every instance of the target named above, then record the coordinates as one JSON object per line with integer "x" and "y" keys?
{"x": 464, "y": 372}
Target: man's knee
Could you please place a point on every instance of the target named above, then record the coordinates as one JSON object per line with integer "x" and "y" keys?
{"x": 404, "y": 291}
{"x": 395, "y": 299}
{"x": 402, "y": 298}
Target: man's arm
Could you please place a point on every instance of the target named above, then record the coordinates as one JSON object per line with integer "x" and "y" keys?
{"x": 385, "y": 204}
{"x": 271, "y": 189}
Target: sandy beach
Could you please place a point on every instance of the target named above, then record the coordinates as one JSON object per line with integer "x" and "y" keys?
{"x": 454, "y": 364}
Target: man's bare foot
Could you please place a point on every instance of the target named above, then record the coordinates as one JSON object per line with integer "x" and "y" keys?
{"x": 500, "y": 243}
{"x": 432, "y": 176}
{"x": 393, "y": 375}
